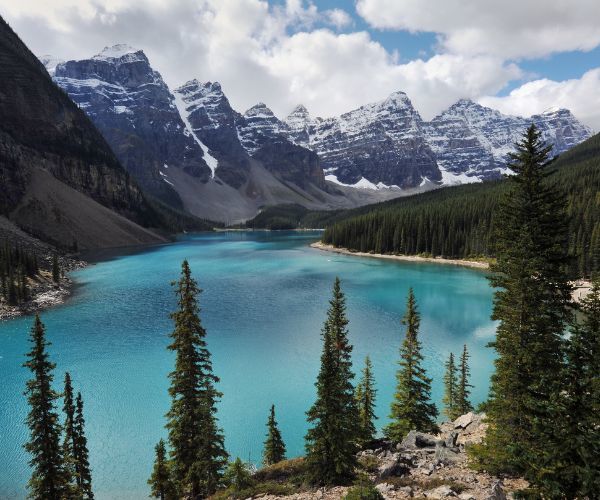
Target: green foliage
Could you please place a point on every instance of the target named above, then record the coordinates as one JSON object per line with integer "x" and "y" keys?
{"x": 197, "y": 449}
{"x": 331, "y": 442}
{"x": 463, "y": 404}
{"x": 80, "y": 452}
{"x": 16, "y": 265}
{"x": 292, "y": 217}
{"x": 237, "y": 476}
{"x": 49, "y": 481}
{"x": 363, "y": 492}
{"x": 532, "y": 305}
{"x": 450, "y": 399}
{"x": 160, "y": 482}
{"x": 274, "y": 446}
{"x": 459, "y": 222}
{"x": 69, "y": 435}
{"x": 572, "y": 467}
{"x": 365, "y": 400}
{"x": 412, "y": 407}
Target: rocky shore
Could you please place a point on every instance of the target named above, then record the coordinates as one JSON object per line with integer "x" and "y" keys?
{"x": 425, "y": 466}
{"x": 45, "y": 293}
{"x": 409, "y": 258}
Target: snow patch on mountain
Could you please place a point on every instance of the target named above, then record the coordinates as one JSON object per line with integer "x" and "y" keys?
{"x": 182, "y": 108}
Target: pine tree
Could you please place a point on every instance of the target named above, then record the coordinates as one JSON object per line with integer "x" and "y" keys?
{"x": 573, "y": 468}
{"x": 69, "y": 443}
{"x": 197, "y": 449}
{"x": 49, "y": 480}
{"x": 82, "y": 465}
{"x": 450, "y": 399}
{"x": 55, "y": 269}
{"x": 463, "y": 404}
{"x": 160, "y": 480}
{"x": 532, "y": 305}
{"x": 412, "y": 407}
{"x": 331, "y": 444}
{"x": 365, "y": 400}
{"x": 237, "y": 475}
{"x": 274, "y": 446}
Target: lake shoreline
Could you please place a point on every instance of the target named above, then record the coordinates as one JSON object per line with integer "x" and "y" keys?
{"x": 405, "y": 258}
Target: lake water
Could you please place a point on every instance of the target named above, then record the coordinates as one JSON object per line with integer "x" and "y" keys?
{"x": 264, "y": 302}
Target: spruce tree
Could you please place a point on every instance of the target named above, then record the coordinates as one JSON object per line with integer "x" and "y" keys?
{"x": 55, "y": 269}
{"x": 463, "y": 403}
{"x": 532, "y": 306}
{"x": 69, "y": 443}
{"x": 160, "y": 480}
{"x": 412, "y": 407}
{"x": 573, "y": 468}
{"x": 365, "y": 400}
{"x": 331, "y": 443}
{"x": 48, "y": 480}
{"x": 274, "y": 446}
{"x": 451, "y": 383}
{"x": 237, "y": 475}
{"x": 82, "y": 465}
{"x": 197, "y": 449}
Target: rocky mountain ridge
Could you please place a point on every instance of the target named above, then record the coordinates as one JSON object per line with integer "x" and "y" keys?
{"x": 191, "y": 149}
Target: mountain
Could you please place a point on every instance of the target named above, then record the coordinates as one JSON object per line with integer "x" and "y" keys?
{"x": 136, "y": 113}
{"x": 471, "y": 141}
{"x": 381, "y": 142}
{"x": 387, "y": 142}
{"x": 60, "y": 180}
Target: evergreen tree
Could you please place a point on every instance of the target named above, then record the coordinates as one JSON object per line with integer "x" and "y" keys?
{"x": 573, "y": 468}
{"x": 55, "y": 269}
{"x": 197, "y": 449}
{"x": 160, "y": 480}
{"x": 331, "y": 443}
{"x": 412, "y": 407}
{"x": 451, "y": 390}
{"x": 365, "y": 400}
{"x": 82, "y": 465}
{"x": 532, "y": 305}
{"x": 463, "y": 404}
{"x": 49, "y": 480}
{"x": 237, "y": 475}
{"x": 69, "y": 443}
{"x": 274, "y": 446}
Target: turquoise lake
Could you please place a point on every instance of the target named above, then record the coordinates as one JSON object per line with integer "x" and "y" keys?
{"x": 264, "y": 302}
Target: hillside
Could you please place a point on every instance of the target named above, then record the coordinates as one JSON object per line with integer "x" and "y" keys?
{"x": 458, "y": 222}
{"x": 60, "y": 180}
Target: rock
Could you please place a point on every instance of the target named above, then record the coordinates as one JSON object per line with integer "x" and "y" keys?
{"x": 394, "y": 465}
{"x": 451, "y": 440}
{"x": 466, "y": 496}
{"x": 445, "y": 455}
{"x": 497, "y": 492}
{"x": 464, "y": 421}
{"x": 416, "y": 439}
{"x": 440, "y": 492}
{"x": 384, "y": 487}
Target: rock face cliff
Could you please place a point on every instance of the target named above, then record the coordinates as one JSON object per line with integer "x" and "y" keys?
{"x": 48, "y": 150}
{"x": 136, "y": 113}
{"x": 387, "y": 142}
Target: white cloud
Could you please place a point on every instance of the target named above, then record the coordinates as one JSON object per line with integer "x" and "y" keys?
{"x": 258, "y": 52}
{"x": 338, "y": 18}
{"x": 507, "y": 28}
{"x": 581, "y": 96}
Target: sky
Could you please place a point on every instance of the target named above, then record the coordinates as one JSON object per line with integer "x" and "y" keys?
{"x": 518, "y": 56}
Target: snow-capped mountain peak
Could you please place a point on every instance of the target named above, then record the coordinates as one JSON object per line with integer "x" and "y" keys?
{"x": 259, "y": 110}
{"x": 119, "y": 51}
{"x": 50, "y": 62}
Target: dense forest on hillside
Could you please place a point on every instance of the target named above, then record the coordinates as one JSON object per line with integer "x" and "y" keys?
{"x": 16, "y": 266}
{"x": 459, "y": 222}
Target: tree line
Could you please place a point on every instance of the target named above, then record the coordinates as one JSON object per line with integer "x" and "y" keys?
{"x": 16, "y": 265}
{"x": 461, "y": 222}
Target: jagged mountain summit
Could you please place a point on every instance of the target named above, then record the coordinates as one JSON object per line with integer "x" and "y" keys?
{"x": 191, "y": 149}
{"x": 387, "y": 142}
{"x": 136, "y": 113}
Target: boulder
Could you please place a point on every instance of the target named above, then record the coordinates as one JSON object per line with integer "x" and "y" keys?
{"x": 440, "y": 492}
{"x": 393, "y": 465}
{"x": 416, "y": 439}
{"x": 464, "y": 421}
